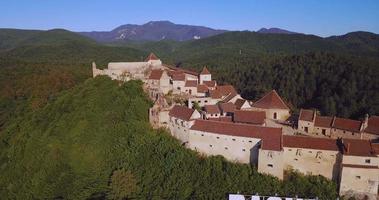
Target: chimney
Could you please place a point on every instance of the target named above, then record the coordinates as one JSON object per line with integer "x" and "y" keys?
{"x": 364, "y": 123}
{"x": 347, "y": 147}
{"x": 314, "y": 115}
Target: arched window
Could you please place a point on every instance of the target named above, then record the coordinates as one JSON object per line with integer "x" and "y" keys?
{"x": 275, "y": 115}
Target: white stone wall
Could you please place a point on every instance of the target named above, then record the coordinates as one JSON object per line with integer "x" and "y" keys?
{"x": 202, "y": 101}
{"x": 305, "y": 126}
{"x": 178, "y": 86}
{"x": 164, "y": 83}
{"x": 271, "y": 162}
{"x": 233, "y": 148}
{"x": 191, "y": 90}
{"x": 312, "y": 161}
{"x": 359, "y": 180}
{"x": 360, "y": 160}
{"x": 319, "y": 130}
{"x": 281, "y": 114}
{"x": 336, "y": 133}
{"x": 205, "y": 77}
{"x": 179, "y": 128}
{"x": 190, "y": 77}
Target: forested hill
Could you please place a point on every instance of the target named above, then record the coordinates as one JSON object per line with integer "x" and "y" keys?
{"x": 337, "y": 75}
{"x": 94, "y": 142}
{"x": 36, "y": 65}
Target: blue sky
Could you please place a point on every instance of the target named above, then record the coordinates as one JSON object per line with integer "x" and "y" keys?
{"x": 320, "y": 17}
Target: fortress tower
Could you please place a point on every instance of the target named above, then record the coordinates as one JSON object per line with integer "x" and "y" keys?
{"x": 205, "y": 75}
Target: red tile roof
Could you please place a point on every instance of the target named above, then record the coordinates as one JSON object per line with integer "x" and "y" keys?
{"x": 227, "y": 107}
{"x": 222, "y": 119}
{"x": 181, "y": 112}
{"x": 239, "y": 103}
{"x": 156, "y": 74}
{"x": 202, "y": 88}
{"x": 347, "y": 124}
{"x": 226, "y": 90}
{"x": 205, "y": 71}
{"x": 306, "y": 115}
{"x": 152, "y": 56}
{"x": 271, "y": 137}
{"x": 271, "y": 101}
{"x": 351, "y": 147}
{"x": 321, "y": 121}
{"x": 210, "y": 83}
{"x": 211, "y": 109}
{"x": 373, "y": 125}
{"x": 305, "y": 142}
{"x": 251, "y": 117}
{"x": 229, "y": 97}
{"x": 356, "y": 147}
{"x": 215, "y": 94}
{"x": 375, "y": 147}
{"x": 360, "y": 166}
{"x": 178, "y": 76}
{"x": 191, "y": 83}
{"x": 186, "y": 71}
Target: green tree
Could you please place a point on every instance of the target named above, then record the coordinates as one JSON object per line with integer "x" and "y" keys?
{"x": 123, "y": 185}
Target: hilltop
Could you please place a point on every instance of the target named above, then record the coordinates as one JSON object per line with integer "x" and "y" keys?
{"x": 153, "y": 31}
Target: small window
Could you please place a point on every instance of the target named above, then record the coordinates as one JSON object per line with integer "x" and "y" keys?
{"x": 206, "y": 101}
{"x": 352, "y": 133}
{"x": 289, "y": 149}
{"x": 234, "y": 139}
{"x": 344, "y": 131}
{"x": 250, "y": 141}
{"x": 367, "y": 161}
{"x": 358, "y": 177}
{"x": 202, "y": 134}
{"x": 226, "y": 148}
{"x": 243, "y": 149}
{"x": 218, "y": 137}
{"x": 296, "y": 159}
{"x": 210, "y": 145}
{"x": 270, "y": 165}
{"x": 309, "y": 151}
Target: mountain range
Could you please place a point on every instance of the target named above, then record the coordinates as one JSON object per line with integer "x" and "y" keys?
{"x": 163, "y": 30}
{"x": 153, "y": 31}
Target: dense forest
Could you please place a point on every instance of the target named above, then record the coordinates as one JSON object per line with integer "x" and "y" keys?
{"x": 337, "y": 75}
{"x": 94, "y": 141}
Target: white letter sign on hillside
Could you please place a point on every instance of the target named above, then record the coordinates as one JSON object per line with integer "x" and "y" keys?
{"x": 255, "y": 197}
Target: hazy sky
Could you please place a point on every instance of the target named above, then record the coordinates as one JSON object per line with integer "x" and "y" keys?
{"x": 320, "y": 17}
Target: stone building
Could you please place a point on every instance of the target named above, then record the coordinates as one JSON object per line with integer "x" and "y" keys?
{"x": 158, "y": 82}
{"x": 335, "y": 127}
{"x": 212, "y": 111}
{"x": 181, "y": 119}
{"x": 236, "y": 142}
{"x": 205, "y": 75}
{"x": 125, "y": 71}
{"x": 372, "y": 129}
{"x": 275, "y": 108}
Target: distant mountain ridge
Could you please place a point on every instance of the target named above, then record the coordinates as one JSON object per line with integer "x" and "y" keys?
{"x": 276, "y": 31}
{"x": 153, "y": 31}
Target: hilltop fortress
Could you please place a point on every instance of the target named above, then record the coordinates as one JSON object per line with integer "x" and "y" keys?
{"x": 214, "y": 119}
